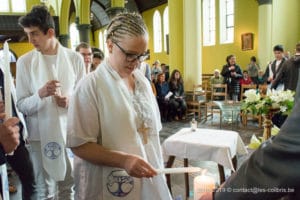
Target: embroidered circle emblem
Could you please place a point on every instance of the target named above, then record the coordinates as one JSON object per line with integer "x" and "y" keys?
{"x": 52, "y": 150}
{"x": 119, "y": 183}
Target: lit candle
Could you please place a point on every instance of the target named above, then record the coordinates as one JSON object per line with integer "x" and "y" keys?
{"x": 202, "y": 185}
{"x": 178, "y": 170}
{"x": 7, "y": 81}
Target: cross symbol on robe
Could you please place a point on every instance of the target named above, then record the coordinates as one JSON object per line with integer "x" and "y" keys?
{"x": 144, "y": 131}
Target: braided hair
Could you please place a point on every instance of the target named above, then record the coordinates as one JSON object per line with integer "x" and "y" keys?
{"x": 130, "y": 24}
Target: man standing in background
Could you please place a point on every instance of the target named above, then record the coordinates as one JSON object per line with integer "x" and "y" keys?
{"x": 86, "y": 51}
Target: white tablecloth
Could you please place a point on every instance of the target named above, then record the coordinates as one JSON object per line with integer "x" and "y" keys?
{"x": 205, "y": 144}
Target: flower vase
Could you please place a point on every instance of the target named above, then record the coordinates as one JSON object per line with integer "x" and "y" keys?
{"x": 268, "y": 123}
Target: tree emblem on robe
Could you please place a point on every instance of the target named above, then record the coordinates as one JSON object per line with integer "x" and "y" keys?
{"x": 52, "y": 150}
{"x": 119, "y": 183}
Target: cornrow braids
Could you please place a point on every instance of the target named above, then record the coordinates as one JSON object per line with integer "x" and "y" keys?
{"x": 130, "y": 24}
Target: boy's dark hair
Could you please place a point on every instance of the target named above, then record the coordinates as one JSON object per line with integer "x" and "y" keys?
{"x": 278, "y": 47}
{"x": 253, "y": 58}
{"x": 40, "y": 17}
{"x": 99, "y": 54}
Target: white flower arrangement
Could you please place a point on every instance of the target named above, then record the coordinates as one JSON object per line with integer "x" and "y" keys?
{"x": 256, "y": 103}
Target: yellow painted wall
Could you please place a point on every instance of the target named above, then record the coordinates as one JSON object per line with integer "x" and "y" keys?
{"x": 148, "y": 16}
{"x": 246, "y": 20}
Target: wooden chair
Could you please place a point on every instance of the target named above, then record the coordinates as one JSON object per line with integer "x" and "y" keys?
{"x": 246, "y": 117}
{"x": 198, "y": 100}
{"x": 218, "y": 92}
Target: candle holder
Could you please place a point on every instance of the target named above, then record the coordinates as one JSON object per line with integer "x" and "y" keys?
{"x": 193, "y": 124}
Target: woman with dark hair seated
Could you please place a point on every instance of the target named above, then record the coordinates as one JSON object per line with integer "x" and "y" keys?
{"x": 163, "y": 97}
{"x": 177, "y": 99}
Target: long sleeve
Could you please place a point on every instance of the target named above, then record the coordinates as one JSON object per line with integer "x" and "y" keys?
{"x": 28, "y": 103}
{"x": 279, "y": 76}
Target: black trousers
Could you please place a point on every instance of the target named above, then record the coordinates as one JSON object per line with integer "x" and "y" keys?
{"x": 22, "y": 165}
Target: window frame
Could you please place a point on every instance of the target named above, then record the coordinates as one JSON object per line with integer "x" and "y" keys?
{"x": 209, "y": 22}
{"x": 226, "y": 29}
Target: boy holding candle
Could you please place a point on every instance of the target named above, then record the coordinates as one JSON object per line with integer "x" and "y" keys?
{"x": 46, "y": 78}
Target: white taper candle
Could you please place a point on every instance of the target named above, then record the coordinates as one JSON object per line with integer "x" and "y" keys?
{"x": 7, "y": 81}
{"x": 178, "y": 170}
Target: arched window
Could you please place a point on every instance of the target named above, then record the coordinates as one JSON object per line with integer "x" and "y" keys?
{"x": 13, "y": 6}
{"x": 226, "y": 21}
{"x": 18, "y": 5}
{"x": 209, "y": 24}
{"x": 157, "y": 32}
{"x": 166, "y": 28}
{"x": 101, "y": 44}
{"x": 74, "y": 36}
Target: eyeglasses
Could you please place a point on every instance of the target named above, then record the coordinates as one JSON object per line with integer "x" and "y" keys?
{"x": 133, "y": 57}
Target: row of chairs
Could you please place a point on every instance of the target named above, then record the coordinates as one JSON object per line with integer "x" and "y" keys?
{"x": 201, "y": 101}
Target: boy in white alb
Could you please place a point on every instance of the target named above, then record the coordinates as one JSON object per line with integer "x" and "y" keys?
{"x": 46, "y": 78}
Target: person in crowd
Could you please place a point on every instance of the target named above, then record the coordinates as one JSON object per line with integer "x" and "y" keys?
{"x": 287, "y": 55}
{"x": 288, "y": 73}
{"x": 145, "y": 68}
{"x": 86, "y": 51}
{"x": 217, "y": 78}
{"x": 163, "y": 98}
{"x": 20, "y": 160}
{"x": 272, "y": 171}
{"x": 153, "y": 83}
{"x": 9, "y": 142}
{"x": 232, "y": 74}
{"x": 177, "y": 99}
{"x": 165, "y": 69}
{"x": 246, "y": 80}
{"x": 46, "y": 78}
{"x": 274, "y": 67}
{"x": 260, "y": 78}
{"x": 116, "y": 156}
{"x": 253, "y": 68}
{"x": 156, "y": 69}
{"x": 98, "y": 57}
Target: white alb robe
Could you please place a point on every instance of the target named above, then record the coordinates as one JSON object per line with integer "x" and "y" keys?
{"x": 104, "y": 111}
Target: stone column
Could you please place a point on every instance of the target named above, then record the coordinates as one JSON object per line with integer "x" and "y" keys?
{"x": 176, "y": 35}
{"x": 117, "y": 6}
{"x": 264, "y": 32}
{"x": 192, "y": 55}
{"x": 84, "y": 30}
{"x": 64, "y": 40}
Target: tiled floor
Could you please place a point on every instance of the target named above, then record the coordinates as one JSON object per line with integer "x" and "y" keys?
{"x": 170, "y": 128}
